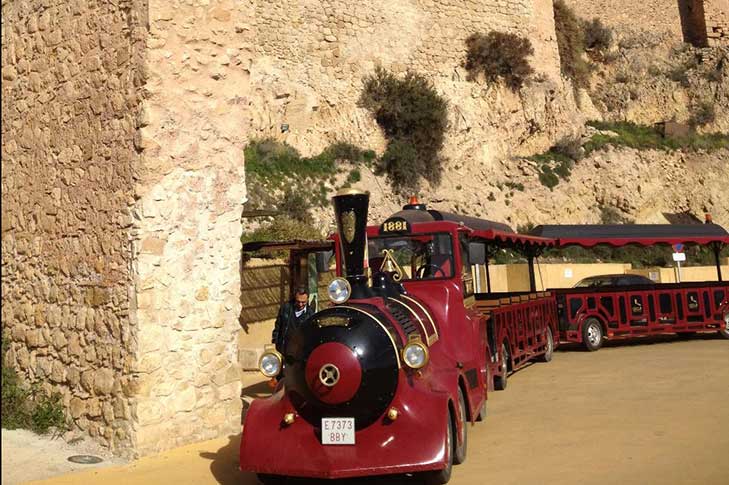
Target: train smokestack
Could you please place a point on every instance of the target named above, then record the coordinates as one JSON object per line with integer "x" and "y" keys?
{"x": 350, "y": 210}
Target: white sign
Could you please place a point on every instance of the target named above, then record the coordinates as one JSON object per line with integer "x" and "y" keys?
{"x": 337, "y": 431}
{"x": 679, "y": 257}
{"x": 568, "y": 272}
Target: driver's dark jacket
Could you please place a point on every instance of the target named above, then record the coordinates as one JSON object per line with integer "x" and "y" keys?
{"x": 286, "y": 321}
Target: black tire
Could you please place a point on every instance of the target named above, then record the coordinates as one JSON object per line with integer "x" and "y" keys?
{"x": 500, "y": 381}
{"x": 549, "y": 352}
{"x": 441, "y": 477}
{"x": 592, "y": 334}
{"x": 482, "y": 412}
{"x": 459, "y": 456}
{"x": 266, "y": 479}
{"x": 724, "y": 330}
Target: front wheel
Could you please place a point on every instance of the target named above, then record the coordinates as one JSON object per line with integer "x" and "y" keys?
{"x": 592, "y": 336}
{"x": 462, "y": 444}
{"x": 440, "y": 477}
{"x": 500, "y": 381}
{"x": 549, "y": 349}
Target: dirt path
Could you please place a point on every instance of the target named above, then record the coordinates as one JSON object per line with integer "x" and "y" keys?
{"x": 628, "y": 414}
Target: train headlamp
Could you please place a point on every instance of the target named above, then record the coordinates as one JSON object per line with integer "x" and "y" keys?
{"x": 270, "y": 363}
{"x": 339, "y": 290}
{"x": 415, "y": 354}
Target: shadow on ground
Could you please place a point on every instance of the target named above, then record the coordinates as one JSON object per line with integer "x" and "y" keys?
{"x": 646, "y": 340}
{"x": 224, "y": 467}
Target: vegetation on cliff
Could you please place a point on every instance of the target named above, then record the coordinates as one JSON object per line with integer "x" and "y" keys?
{"x": 414, "y": 118}
{"x": 499, "y": 56}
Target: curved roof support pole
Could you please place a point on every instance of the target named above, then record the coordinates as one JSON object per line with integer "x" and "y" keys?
{"x": 532, "y": 278}
{"x": 531, "y": 253}
{"x": 488, "y": 276}
{"x": 717, "y": 251}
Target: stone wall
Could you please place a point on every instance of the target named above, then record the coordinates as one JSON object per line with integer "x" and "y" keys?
{"x": 311, "y": 57}
{"x": 717, "y": 22}
{"x": 187, "y": 222}
{"x": 659, "y": 17}
{"x": 71, "y": 74}
{"x": 699, "y": 22}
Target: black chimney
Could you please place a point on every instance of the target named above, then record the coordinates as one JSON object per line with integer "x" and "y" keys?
{"x": 350, "y": 209}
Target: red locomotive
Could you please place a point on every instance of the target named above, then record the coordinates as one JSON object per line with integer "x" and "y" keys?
{"x": 409, "y": 345}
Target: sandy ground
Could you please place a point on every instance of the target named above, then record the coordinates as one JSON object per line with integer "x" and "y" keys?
{"x": 28, "y": 456}
{"x": 629, "y": 414}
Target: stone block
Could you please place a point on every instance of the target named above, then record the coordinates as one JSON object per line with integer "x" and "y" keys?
{"x": 77, "y": 407}
{"x": 103, "y": 381}
{"x": 184, "y": 401}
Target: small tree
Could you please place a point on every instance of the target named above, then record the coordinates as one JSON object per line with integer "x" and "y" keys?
{"x": 598, "y": 38}
{"x": 414, "y": 118}
{"x": 500, "y": 55}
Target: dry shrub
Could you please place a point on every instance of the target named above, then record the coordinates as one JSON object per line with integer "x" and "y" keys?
{"x": 500, "y": 56}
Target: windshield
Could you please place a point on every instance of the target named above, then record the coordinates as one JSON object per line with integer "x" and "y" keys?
{"x": 421, "y": 257}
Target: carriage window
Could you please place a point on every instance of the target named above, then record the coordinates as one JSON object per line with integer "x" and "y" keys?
{"x": 421, "y": 256}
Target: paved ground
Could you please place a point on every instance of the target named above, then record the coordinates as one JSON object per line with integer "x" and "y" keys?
{"x": 628, "y": 414}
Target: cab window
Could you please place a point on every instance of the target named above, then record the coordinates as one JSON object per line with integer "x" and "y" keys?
{"x": 421, "y": 256}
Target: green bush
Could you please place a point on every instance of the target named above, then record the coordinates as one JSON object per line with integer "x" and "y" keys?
{"x": 401, "y": 163}
{"x": 28, "y": 407}
{"x": 598, "y": 38}
{"x": 548, "y": 178}
{"x": 414, "y": 117}
{"x": 644, "y": 137}
{"x": 571, "y": 45}
{"x": 273, "y": 161}
{"x": 274, "y": 167}
{"x": 500, "y": 55}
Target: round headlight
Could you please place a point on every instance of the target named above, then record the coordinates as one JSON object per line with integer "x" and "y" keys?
{"x": 415, "y": 355}
{"x": 270, "y": 364}
{"x": 339, "y": 290}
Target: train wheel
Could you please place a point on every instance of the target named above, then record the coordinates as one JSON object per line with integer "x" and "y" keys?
{"x": 271, "y": 479}
{"x": 440, "y": 477}
{"x": 592, "y": 336}
{"x": 462, "y": 445}
{"x": 482, "y": 413}
{"x": 549, "y": 350}
{"x": 724, "y": 331}
{"x": 500, "y": 381}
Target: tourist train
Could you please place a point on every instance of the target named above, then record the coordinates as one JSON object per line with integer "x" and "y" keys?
{"x": 387, "y": 379}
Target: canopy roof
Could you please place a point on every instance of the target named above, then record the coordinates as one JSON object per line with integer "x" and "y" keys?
{"x": 514, "y": 240}
{"x": 641, "y": 234}
{"x": 415, "y": 216}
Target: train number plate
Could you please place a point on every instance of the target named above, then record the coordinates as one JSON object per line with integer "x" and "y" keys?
{"x": 337, "y": 431}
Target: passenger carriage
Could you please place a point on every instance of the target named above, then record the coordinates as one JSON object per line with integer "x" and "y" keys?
{"x": 591, "y": 315}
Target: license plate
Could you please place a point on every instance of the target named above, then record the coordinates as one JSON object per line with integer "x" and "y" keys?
{"x": 337, "y": 431}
